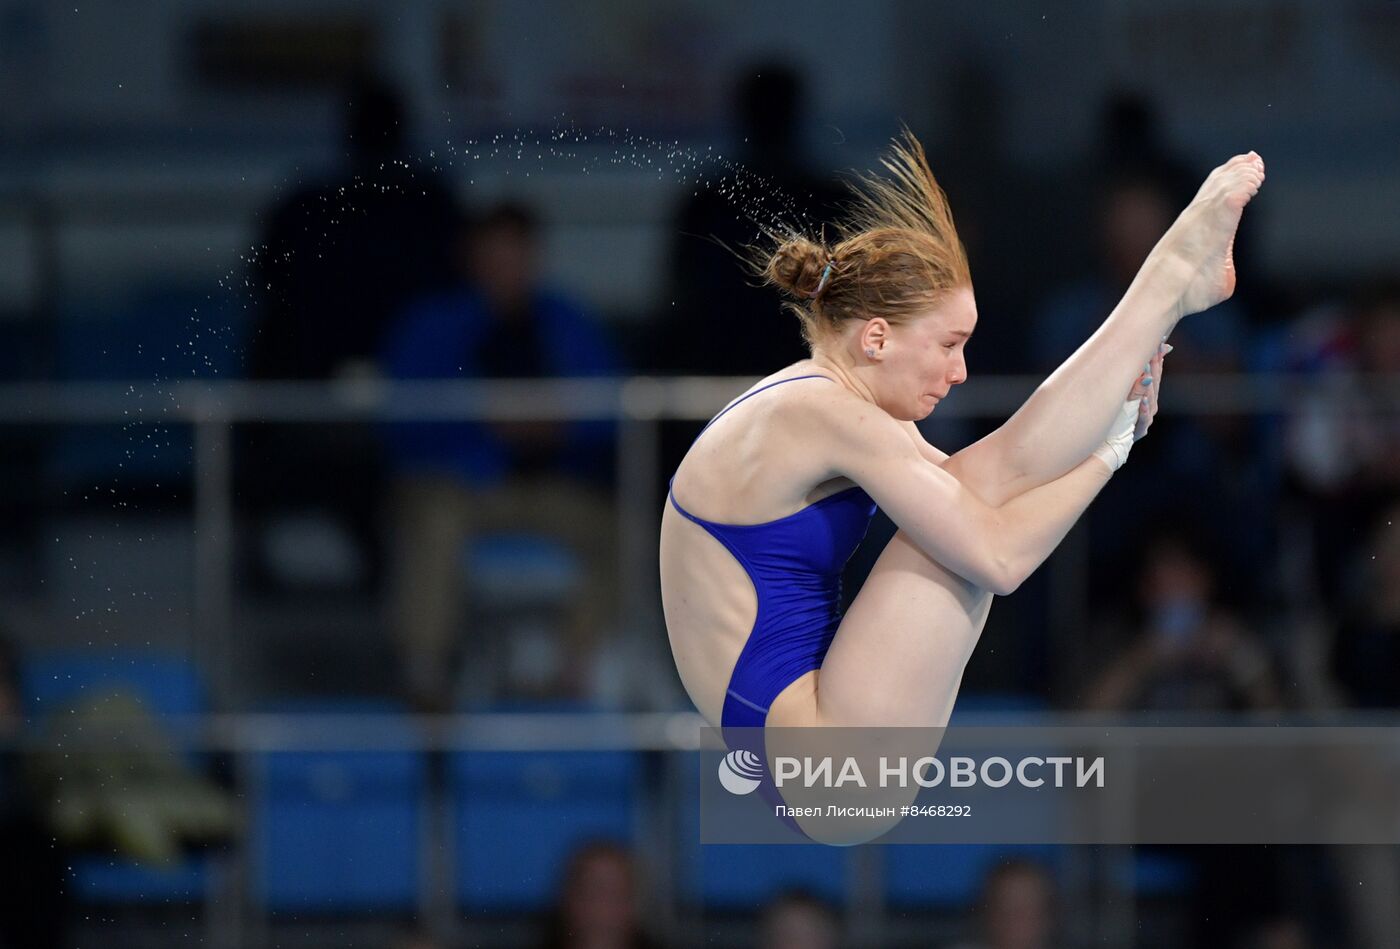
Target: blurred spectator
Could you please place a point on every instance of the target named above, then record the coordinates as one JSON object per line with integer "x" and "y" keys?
{"x": 1130, "y": 136}
{"x": 1284, "y": 932}
{"x": 336, "y": 261}
{"x": 799, "y": 920}
{"x": 716, "y": 321}
{"x": 1366, "y": 656}
{"x": 1137, "y": 187}
{"x": 1342, "y": 441}
{"x": 31, "y": 861}
{"x": 1190, "y": 652}
{"x": 1134, "y": 209}
{"x": 1132, "y": 142}
{"x": 1018, "y": 908}
{"x": 454, "y": 481}
{"x": 599, "y": 903}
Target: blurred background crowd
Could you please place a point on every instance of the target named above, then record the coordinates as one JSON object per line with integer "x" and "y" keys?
{"x": 314, "y": 209}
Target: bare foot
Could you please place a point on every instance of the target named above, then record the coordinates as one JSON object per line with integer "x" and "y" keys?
{"x": 1199, "y": 247}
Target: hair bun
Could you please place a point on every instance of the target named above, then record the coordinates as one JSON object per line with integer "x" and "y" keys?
{"x": 797, "y": 266}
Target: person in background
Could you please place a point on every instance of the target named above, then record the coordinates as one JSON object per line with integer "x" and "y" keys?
{"x": 599, "y": 902}
{"x": 452, "y": 481}
{"x": 1017, "y": 908}
{"x": 1190, "y": 653}
{"x": 710, "y": 303}
{"x": 799, "y": 920}
{"x": 337, "y": 259}
{"x": 1341, "y": 441}
{"x": 1135, "y": 206}
{"x": 1281, "y": 932}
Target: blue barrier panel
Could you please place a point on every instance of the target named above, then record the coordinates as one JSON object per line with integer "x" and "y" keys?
{"x": 519, "y": 815}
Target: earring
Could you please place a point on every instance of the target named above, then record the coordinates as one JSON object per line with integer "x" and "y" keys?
{"x": 870, "y": 354}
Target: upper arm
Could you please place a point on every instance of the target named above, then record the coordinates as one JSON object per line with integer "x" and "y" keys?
{"x": 947, "y": 521}
{"x": 929, "y": 453}
{"x": 979, "y": 466}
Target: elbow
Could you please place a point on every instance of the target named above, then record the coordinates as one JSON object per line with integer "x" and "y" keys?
{"x": 1005, "y": 586}
{"x": 1001, "y": 574}
{"x": 1004, "y": 579}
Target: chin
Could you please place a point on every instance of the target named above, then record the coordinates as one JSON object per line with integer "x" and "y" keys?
{"x": 924, "y": 409}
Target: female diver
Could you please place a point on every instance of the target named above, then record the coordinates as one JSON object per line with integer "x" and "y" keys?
{"x": 777, "y": 491}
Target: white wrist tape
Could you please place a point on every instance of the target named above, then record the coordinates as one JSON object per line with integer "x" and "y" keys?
{"x": 1114, "y": 451}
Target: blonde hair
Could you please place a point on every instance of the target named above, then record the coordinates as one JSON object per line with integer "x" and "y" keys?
{"x": 896, "y": 252}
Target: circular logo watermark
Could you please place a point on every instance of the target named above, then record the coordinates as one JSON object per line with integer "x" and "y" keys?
{"x": 740, "y": 772}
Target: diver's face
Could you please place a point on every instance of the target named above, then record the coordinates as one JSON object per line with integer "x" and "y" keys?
{"x": 919, "y": 361}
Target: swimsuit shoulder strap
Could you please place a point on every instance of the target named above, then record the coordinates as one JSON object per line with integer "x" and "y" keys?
{"x": 708, "y": 524}
{"x": 755, "y": 392}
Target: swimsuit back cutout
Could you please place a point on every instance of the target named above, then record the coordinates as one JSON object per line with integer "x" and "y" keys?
{"x": 795, "y": 565}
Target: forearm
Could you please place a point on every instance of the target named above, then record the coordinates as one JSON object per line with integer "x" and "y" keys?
{"x": 1067, "y": 417}
{"x": 1032, "y": 524}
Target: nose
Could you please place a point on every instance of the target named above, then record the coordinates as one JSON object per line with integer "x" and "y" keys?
{"x": 957, "y": 372}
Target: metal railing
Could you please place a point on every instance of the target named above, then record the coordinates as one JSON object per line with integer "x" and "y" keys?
{"x": 639, "y": 405}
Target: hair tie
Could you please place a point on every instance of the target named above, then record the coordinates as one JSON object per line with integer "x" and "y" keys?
{"x": 821, "y": 284}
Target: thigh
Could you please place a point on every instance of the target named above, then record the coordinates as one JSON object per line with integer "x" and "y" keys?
{"x": 899, "y": 653}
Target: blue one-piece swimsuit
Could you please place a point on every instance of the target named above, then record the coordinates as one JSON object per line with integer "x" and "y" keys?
{"x": 795, "y": 564}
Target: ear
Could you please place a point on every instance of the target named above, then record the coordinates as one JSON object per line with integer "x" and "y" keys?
{"x": 875, "y": 336}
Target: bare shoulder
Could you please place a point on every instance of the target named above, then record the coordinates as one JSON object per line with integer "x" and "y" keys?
{"x": 857, "y": 424}
{"x": 846, "y": 425}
